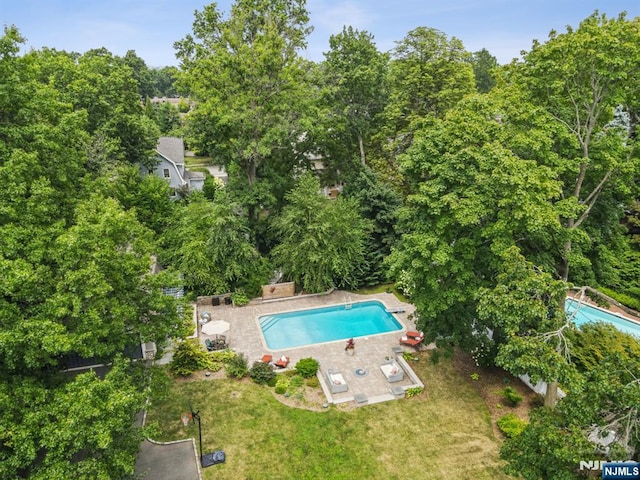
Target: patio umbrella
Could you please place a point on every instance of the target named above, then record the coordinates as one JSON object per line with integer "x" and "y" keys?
{"x": 216, "y": 327}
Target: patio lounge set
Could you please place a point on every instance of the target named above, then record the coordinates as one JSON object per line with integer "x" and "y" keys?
{"x": 412, "y": 339}
{"x": 218, "y": 342}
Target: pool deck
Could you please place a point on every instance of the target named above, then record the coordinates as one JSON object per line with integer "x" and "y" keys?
{"x": 244, "y": 336}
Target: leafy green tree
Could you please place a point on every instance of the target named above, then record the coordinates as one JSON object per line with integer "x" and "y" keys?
{"x": 483, "y": 66}
{"x": 167, "y": 117}
{"x": 428, "y": 75}
{"x": 103, "y": 87}
{"x": 471, "y": 197}
{"x": 322, "y": 241}
{"x": 147, "y": 195}
{"x": 355, "y": 72}
{"x": 57, "y": 428}
{"x": 245, "y": 75}
{"x": 579, "y": 78}
{"x": 554, "y": 442}
{"x": 594, "y": 342}
{"x": 208, "y": 243}
{"x": 527, "y": 305}
{"x": 141, "y": 73}
{"x": 379, "y": 202}
{"x": 164, "y": 79}
{"x": 75, "y": 280}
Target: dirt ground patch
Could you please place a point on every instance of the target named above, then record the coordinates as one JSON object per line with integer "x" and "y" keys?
{"x": 489, "y": 383}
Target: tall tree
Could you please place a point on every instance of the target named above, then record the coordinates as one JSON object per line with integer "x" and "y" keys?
{"x": 322, "y": 241}
{"x": 355, "y": 73}
{"x": 379, "y": 202}
{"x": 483, "y": 66}
{"x": 579, "y": 78}
{"x": 547, "y": 128}
{"x": 75, "y": 280}
{"x": 429, "y": 73}
{"x": 246, "y": 77}
{"x": 471, "y": 197}
{"x": 526, "y": 306}
{"x": 209, "y": 244}
{"x": 141, "y": 73}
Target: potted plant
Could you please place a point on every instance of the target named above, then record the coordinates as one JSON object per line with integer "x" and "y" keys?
{"x": 351, "y": 345}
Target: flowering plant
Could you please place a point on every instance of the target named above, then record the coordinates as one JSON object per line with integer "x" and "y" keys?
{"x": 350, "y": 344}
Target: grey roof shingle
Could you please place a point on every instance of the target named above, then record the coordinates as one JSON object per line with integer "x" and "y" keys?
{"x": 171, "y": 148}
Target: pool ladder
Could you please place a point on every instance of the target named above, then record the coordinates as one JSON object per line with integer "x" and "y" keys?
{"x": 349, "y": 303}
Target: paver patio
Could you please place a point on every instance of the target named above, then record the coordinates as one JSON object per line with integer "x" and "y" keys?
{"x": 244, "y": 336}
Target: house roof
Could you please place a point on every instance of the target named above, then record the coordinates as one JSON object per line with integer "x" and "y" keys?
{"x": 171, "y": 148}
{"x": 194, "y": 175}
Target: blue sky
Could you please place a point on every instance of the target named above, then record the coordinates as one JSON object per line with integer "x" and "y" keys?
{"x": 504, "y": 27}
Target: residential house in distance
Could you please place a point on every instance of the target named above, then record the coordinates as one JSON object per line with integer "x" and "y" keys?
{"x": 170, "y": 166}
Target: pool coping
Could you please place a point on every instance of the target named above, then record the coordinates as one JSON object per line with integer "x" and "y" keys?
{"x": 402, "y": 328}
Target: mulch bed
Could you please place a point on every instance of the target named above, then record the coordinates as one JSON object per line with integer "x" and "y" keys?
{"x": 490, "y": 383}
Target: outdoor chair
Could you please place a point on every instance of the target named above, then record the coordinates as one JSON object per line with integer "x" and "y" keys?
{"x": 282, "y": 362}
{"x": 219, "y": 342}
{"x": 336, "y": 381}
{"x": 412, "y": 339}
{"x": 392, "y": 371}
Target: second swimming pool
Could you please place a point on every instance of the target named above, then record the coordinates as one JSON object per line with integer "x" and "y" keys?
{"x": 318, "y": 325}
{"x": 587, "y": 314}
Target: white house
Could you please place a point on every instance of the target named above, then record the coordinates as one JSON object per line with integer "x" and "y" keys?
{"x": 170, "y": 166}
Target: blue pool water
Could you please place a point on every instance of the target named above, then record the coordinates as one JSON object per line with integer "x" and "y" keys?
{"x": 587, "y": 314}
{"x": 337, "y": 322}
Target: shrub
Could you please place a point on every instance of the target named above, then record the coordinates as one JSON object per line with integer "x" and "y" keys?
{"x": 511, "y": 425}
{"x": 282, "y": 384}
{"x": 239, "y": 298}
{"x": 189, "y": 357}
{"x": 413, "y": 391}
{"x": 312, "y": 382}
{"x": 307, "y": 367}
{"x": 222, "y": 356}
{"x": 261, "y": 373}
{"x": 512, "y": 396}
{"x": 237, "y": 366}
{"x": 296, "y": 382}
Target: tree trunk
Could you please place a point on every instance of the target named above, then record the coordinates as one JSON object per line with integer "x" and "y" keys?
{"x": 361, "y": 145}
{"x": 251, "y": 173}
{"x": 551, "y": 396}
{"x": 563, "y": 268}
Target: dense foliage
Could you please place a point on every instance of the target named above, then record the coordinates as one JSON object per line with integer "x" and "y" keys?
{"x": 486, "y": 191}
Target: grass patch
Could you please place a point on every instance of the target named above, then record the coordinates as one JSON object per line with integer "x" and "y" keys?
{"x": 444, "y": 432}
{"x": 384, "y": 288}
{"x": 198, "y": 161}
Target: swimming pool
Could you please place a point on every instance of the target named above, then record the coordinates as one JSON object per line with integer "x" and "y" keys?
{"x": 326, "y": 324}
{"x": 587, "y": 314}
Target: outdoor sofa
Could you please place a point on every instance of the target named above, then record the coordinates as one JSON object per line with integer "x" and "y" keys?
{"x": 336, "y": 381}
{"x": 392, "y": 371}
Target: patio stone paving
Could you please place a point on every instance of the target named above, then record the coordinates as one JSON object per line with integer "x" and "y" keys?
{"x": 244, "y": 336}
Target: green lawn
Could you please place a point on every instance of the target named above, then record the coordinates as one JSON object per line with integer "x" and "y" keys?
{"x": 197, "y": 161}
{"x": 444, "y": 433}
